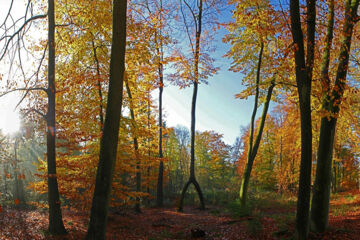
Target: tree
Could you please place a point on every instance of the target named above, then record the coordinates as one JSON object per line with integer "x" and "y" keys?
{"x": 109, "y": 139}
{"x": 56, "y": 225}
{"x": 196, "y": 51}
{"x": 332, "y": 99}
{"x": 303, "y": 72}
{"x": 253, "y": 31}
{"x": 160, "y": 52}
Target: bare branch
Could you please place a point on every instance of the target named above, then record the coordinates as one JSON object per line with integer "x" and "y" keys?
{"x": 24, "y": 89}
{"x": 36, "y": 111}
{"x": 19, "y": 30}
{"x": 8, "y": 14}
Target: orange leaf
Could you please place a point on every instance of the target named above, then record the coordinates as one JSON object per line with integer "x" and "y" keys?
{"x": 17, "y": 201}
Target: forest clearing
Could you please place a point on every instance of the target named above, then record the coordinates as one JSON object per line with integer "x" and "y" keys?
{"x": 179, "y": 119}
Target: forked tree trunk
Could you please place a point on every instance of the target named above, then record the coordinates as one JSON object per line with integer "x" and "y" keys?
{"x": 56, "y": 225}
{"x": 109, "y": 139}
{"x": 331, "y": 103}
{"x": 192, "y": 178}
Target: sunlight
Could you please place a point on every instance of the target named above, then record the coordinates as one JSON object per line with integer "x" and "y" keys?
{"x": 9, "y": 122}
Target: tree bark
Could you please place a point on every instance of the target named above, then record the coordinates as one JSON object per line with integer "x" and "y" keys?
{"x": 56, "y": 225}
{"x": 303, "y": 78}
{"x": 331, "y": 104}
{"x": 109, "y": 139}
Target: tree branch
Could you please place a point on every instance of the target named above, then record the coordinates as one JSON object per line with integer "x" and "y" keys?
{"x": 24, "y": 89}
{"x": 36, "y": 111}
{"x": 18, "y": 31}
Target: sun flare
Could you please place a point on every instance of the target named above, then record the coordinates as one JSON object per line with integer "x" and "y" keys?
{"x": 9, "y": 122}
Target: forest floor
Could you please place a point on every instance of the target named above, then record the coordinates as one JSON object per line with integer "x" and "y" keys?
{"x": 269, "y": 219}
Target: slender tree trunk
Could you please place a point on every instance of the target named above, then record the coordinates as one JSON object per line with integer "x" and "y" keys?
{"x": 109, "y": 139}
{"x": 160, "y": 194}
{"x": 248, "y": 166}
{"x": 98, "y": 75}
{"x": 160, "y": 184}
{"x": 19, "y": 186}
{"x": 56, "y": 225}
{"x": 334, "y": 180}
{"x": 331, "y": 103}
{"x": 192, "y": 178}
{"x": 149, "y": 152}
{"x": 251, "y": 157}
{"x": 5, "y": 181}
{"x": 136, "y": 145}
{"x": 303, "y": 78}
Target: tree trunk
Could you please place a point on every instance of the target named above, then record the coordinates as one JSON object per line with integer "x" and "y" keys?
{"x": 303, "y": 78}
{"x": 192, "y": 178}
{"x": 109, "y": 139}
{"x": 98, "y": 75}
{"x": 252, "y": 155}
{"x": 321, "y": 191}
{"x": 160, "y": 183}
{"x": 249, "y": 161}
{"x": 19, "y": 185}
{"x": 56, "y": 225}
{"x": 136, "y": 145}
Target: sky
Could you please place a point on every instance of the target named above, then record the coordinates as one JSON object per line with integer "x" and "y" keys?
{"x": 9, "y": 120}
{"x": 217, "y": 109}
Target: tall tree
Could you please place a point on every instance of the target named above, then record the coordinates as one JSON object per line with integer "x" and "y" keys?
{"x": 196, "y": 51}
{"x": 109, "y": 139}
{"x": 303, "y": 72}
{"x": 160, "y": 53}
{"x": 254, "y": 145}
{"x": 332, "y": 99}
{"x": 56, "y": 225}
{"x": 256, "y": 21}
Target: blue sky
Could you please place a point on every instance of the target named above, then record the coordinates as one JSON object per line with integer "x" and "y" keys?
{"x": 217, "y": 109}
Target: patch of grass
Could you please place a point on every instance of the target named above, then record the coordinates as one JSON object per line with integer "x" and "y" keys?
{"x": 284, "y": 221}
{"x": 350, "y": 197}
{"x": 340, "y": 210}
{"x": 235, "y": 209}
